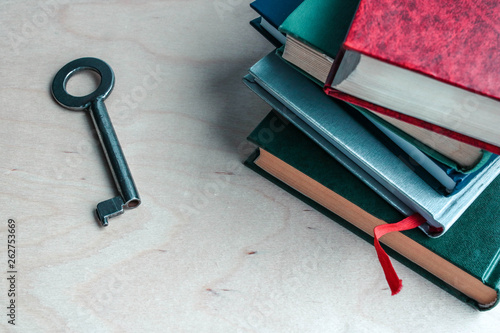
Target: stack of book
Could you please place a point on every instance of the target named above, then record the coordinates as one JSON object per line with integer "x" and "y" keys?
{"x": 385, "y": 118}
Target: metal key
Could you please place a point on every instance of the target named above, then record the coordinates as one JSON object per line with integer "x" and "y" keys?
{"x": 94, "y": 102}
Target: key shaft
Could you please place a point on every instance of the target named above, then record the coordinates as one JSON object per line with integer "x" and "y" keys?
{"x": 114, "y": 154}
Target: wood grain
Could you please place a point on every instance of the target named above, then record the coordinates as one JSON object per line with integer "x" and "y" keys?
{"x": 213, "y": 247}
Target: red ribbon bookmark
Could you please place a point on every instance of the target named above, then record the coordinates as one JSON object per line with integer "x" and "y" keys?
{"x": 408, "y": 223}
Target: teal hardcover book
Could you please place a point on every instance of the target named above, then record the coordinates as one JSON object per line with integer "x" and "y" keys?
{"x": 315, "y": 32}
{"x": 465, "y": 261}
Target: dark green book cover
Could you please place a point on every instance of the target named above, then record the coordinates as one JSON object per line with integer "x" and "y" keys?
{"x": 472, "y": 244}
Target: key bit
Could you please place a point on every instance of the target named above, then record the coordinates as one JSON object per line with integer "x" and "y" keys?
{"x": 109, "y": 208}
{"x": 94, "y": 103}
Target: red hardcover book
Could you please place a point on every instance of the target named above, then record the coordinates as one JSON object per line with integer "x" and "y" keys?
{"x": 431, "y": 63}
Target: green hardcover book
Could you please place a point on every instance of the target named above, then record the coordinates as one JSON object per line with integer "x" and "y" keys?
{"x": 465, "y": 261}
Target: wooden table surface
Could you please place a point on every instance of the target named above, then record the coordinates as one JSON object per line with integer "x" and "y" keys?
{"x": 214, "y": 247}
